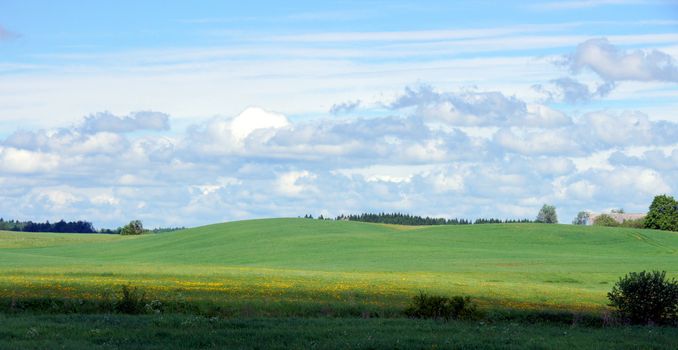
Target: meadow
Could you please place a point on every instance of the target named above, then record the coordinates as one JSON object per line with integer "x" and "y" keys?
{"x": 289, "y": 268}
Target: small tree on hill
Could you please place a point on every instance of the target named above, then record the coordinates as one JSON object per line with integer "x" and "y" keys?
{"x": 547, "y": 215}
{"x": 135, "y": 227}
{"x": 663, "y": 214}
{"x": 581, "y": 219}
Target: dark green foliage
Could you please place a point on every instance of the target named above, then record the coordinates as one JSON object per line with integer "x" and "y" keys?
{"x": 135, "y": 227}
{"x": 637, "y": 223}
{"x": 605, "y": 220}
{"x": 646, "y": 298}
{"x": 169, "y": 332}
{"x": 547, "y": 215}
{"x": 500, "y": 221}
{"x": 59, "y": 226}
{"x": 131, "y": 301}
{"x": 663, "y": 214}
{"x": 414, "y": 220}
{"x": 402, "y": 219}
{"x": 440, "y": 307}
{"x": 581, "y": 219}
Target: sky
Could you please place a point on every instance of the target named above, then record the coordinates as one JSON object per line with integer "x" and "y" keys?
{"x": 191, "y": 113}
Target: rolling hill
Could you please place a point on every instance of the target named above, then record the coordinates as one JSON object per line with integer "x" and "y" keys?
{"x": 295, "y": 262}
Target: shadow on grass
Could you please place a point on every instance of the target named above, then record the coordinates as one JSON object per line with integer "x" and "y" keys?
{"x": 131, "y": 300}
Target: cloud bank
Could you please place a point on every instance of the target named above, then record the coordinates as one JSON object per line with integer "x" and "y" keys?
{"x": 258, "y": 163}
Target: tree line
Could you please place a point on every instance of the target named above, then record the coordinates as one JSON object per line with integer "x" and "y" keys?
{"x": 59, "y": 226}
{"x": 133, "y": 228}
{"x": 415, "y": 220}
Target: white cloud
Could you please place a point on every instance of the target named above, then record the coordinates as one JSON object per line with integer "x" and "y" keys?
{"x": 474, "y": 108}
{"x": 406, "y": 162}
{"x": 105, "y": 199}
{"x": 569, "y": 90}
{"x": 613, "y": 64}
{"x": 295, "y": 183}
{"x": 107, "y": 122}
{"x": 13, "y": 160}
{"x": 255, "y": 118}
{"x": 345, "y": 107}
{"x": 57, "y": 198}
{"x": 627, "y": 128}
{"x": 544, "y": 142}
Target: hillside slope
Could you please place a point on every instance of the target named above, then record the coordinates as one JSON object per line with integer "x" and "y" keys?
{"x": 518, "y": 262}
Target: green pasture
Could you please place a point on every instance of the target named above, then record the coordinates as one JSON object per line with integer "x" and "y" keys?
{"x": 302, "y": 267}
{"x": 196, "y": 332}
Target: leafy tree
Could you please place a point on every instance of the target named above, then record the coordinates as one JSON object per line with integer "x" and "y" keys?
{"x": 617, "y": 211}
{"x": 581, "y": 219}
{"x": 646, "y": 297}
{"x": 663, "y": 214}
{"x": 547, "y": 215}
{"x": 135, "y": 227}
{"x": 605, "y": 220}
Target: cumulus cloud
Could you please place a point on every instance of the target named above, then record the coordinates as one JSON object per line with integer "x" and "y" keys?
{"x": 107, "y": 122}
{"x": 545, "y": 142}
{"x": 614, "y": 64}
{"x": 473, "y": 108}
{"x": 345, "y": 107}
{"x": 655, "y": 159}
{"x": 13, "y": 160}
{"x": 221, "y": 136}
{"x": 466, "y": 108}
{"x": 254, "y": 118}
{"x": 295, "y": 183}
{"x": 569, "y": 90}
{"x": 260, "y": 164}
{"x": 604, "y": 129}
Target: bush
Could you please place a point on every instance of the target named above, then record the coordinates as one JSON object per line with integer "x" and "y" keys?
{"x": 132, "y": 301}
{"x": 605, "y": 220}
{"x": 547, "y": 215}
{"x": 135, "y": 227}
{"x": 646, "y": 298}
{"x": 637, "y": 223}
{"x": 663, "y": 214}
{"x": 440, "y": 307}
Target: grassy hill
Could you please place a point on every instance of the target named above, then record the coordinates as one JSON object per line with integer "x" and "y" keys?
{"x": 301, "y": 266}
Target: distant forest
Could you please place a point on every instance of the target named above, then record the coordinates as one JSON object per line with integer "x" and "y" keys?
{"x": 59, "y": 226}
{"x": 68, "y": 227}
{"x": 414, "y": 220}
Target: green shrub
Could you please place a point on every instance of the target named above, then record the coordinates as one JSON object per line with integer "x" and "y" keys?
{"x": 605, "y": 220}
{"x": 440, "y": 307}
{"x": 663, "y": 214}
{"x": 646, "y": 298}
{"x": 131, "y": 301}
{"x": 135, "y": 227}
{"x": 634, "y": 223}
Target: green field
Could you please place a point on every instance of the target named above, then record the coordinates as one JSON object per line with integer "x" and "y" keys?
{"x": 164, "y": 332}
{"x": 301, "y": 267}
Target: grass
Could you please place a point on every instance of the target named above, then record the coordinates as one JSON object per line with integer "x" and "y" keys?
{"x": 195, "y": 332}
{"x": 301, "y": 267}
{"x": 326, "y": 284}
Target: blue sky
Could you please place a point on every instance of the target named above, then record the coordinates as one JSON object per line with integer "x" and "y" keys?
{"x": 182, "y": 113}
